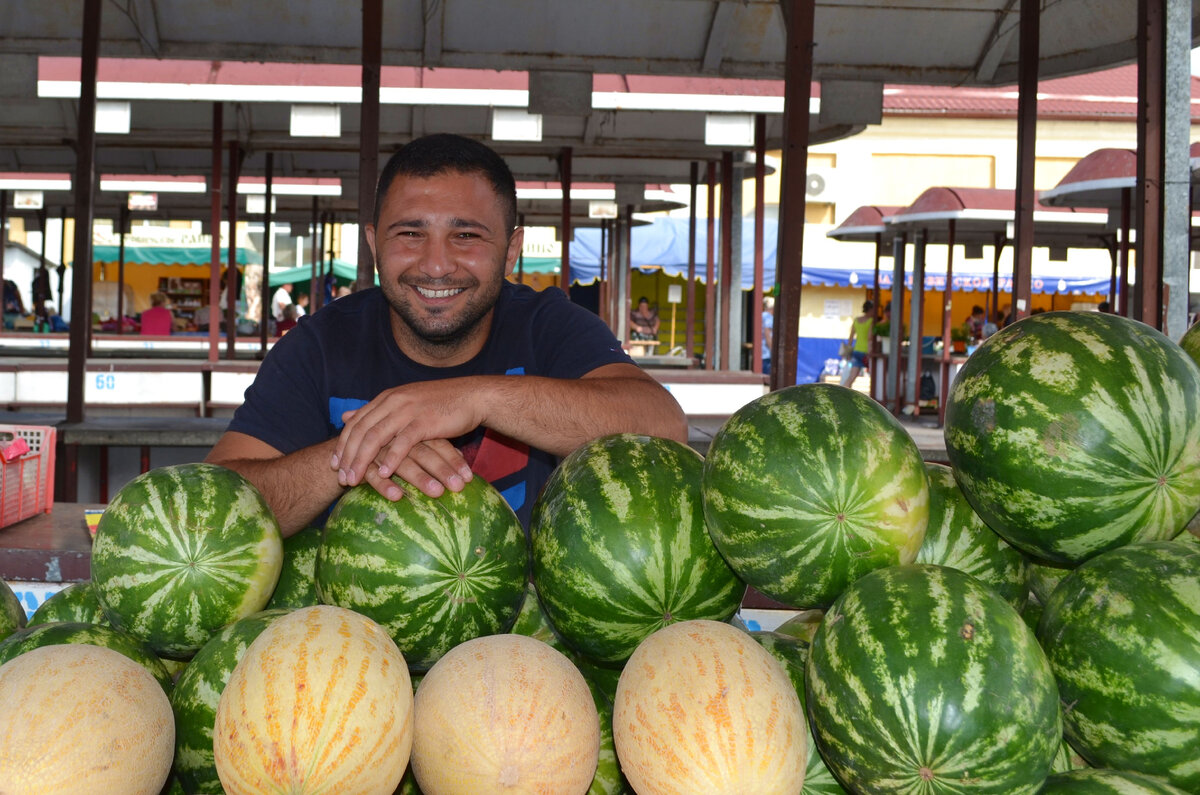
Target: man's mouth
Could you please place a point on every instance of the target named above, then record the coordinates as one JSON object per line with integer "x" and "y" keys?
{"x": 446, "y": 292}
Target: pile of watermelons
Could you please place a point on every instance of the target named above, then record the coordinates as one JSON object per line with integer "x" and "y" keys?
{"x": 1025, "y": 620}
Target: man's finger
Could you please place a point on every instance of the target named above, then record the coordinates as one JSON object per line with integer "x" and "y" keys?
{"x": 385, "y": 486}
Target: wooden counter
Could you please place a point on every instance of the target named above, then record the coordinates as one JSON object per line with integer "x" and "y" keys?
{"x": 49, "y": 547}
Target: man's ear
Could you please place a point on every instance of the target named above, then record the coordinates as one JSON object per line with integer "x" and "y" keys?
{"x": 515, "y": 242}
{"x": 369, "y": 229}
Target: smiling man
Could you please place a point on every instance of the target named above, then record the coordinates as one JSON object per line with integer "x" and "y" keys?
{"x": 447, "y": 370}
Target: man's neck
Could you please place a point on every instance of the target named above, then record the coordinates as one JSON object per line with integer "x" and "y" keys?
{"x": 440, "y": 354}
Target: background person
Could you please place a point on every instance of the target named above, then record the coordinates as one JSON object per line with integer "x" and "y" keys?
{"x": 860, "y": 342}
{"x": 768, "y": 326}
{"x": 444, "y": 371}
{"x": 643, "y": 321}
{"x": 158, "y": 319}
{"x": 280, "y": 300}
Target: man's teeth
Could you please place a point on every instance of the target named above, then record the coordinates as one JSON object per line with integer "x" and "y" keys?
{"x": 425, "y": 291}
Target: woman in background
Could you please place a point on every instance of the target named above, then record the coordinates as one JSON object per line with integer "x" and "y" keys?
{"x": 158, "y": 319}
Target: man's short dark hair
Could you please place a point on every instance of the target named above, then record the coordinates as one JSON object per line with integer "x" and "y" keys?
{"x": 443, "y": 152}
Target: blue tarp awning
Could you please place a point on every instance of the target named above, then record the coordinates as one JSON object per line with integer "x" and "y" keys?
{"x": 663, "y": 245}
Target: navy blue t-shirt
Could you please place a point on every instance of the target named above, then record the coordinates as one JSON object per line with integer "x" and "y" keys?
{"x": 344, "y": 355}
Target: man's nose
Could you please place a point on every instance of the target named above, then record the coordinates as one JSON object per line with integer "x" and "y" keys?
{"x": 439, "y": 258}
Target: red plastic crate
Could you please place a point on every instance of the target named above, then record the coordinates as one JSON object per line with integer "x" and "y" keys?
{"x": 27, "y": 482}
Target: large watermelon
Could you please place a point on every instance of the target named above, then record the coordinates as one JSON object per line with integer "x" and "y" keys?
{"x": 196, "y": 696}
{"x": 1106, "y": 782}
{"x": 1190, "y": 342}
{"x": 433, "y": 571}
{"x": 792, "y": 653}
{"x": 958, "y": 538}
{"x": 810, "y": 487}
{"x": 1122, "y": 633}
{"x": 297, "y": 586}
{"x": 68, "y": 632}
{"x": 77, "y": 602}
{"x": 183, "y": 550}
{"x": 921, "y": 678}
{"x": 1076, "y": 432}
{"x": 620, "y": 547}
{"x": 12, "y": 614}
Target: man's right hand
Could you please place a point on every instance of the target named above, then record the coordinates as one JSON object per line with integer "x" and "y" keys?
{"x": 431, "y": 466}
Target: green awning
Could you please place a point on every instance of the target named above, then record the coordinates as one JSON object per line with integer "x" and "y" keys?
{"x": 171, "y": 255}
{"x": 343, "y": 271}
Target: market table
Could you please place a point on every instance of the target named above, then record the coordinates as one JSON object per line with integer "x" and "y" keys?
{"x": 50, "y": 547}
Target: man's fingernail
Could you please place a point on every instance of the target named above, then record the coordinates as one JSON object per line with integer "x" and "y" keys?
{"x": 456, "y": 483}
{"x": 341, "y": 477}
{"x": 394, "y": 493}
{"x": 466, "y": 473}
{"x": 349, "y": 475}
{"x": 384, "y": 472}
{"x": 333, "y": 461}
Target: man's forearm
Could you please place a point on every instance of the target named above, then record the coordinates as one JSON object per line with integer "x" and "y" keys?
{"x": 297, "y": 487}
{"x": 558, "y": 415}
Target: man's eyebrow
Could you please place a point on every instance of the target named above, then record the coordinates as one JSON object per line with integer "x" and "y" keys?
{"x": 455, "y": 223}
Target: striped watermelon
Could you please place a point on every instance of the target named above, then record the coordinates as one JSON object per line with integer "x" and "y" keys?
{"x": 1068, "y": 759}
{"x": 183, "y": 550}
{"x": 434, "y": 572}
{"x": 608, "y": 780}
{"x": 1076, "y": 432}
{"x": 532, "y": 621}
{"x": 792, "y": 653}
{"x": 921, "y": 678}
{"x": 297, "y": 586}
{"x": 1045, "y": 577}
{"x": 810, "y": 487}
{"x": 196, "y": 696}
{"x": 620, "y": 548}
{"x": 12, "y": 614}
{"x": 958, "y": 538}
{"x": 1190, "y": 342}
{"x": 77, "y": 602}
{"x": 63, "y": 633}
{"x": 1106, "y": 782}
{"x": 1122, "y": 633}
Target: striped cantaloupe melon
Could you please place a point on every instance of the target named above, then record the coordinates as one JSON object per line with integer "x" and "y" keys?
{"x": 321, "y": 702}
{"x": 505, "y": 714}
{"x": 80, "y": 718}
{"x": 701, "y": 707}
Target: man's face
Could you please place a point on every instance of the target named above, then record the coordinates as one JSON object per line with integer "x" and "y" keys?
{"x": 442, "y": 251}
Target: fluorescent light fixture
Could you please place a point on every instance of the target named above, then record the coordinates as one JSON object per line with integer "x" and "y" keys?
{"x": 112, "y": 117}
{"x": 28, "y": 200}
{"x": 602, "y": 209}
{"x": 729, "y": 129}
{"x": 316, "y": 121}
{"x": 290, "y": 186}
{"x": 144, "y": 183}
{"x": 12, "y": 181}
{"x": 516, "y": 124}
{"x": 256, "y": 204}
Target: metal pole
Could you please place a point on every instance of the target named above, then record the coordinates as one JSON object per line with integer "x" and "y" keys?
{"x": 564, "y": 170}
{"x": 899, "y": 251}
{"x": 1030, "y": 43}
{"x": 789, "y": 262}
{"x": 690, "y": 320}
{"x": 760, "y": 233}
{"x": 1126, "y": 220}
{"x": 3, "y": 250}
{"x": 947, "y": 320}
{"x": 368, "y": 146}
{"x": 267, "y": 243}
{"x": 123, "y": 223}
{"x": 1147, "y": 303}
{"x": 710, "y": 292}
{"x": 917, "y": 316}
{"x": 315, "y": 295}
{"x": 81, "y": 299}
{"x": 62, "y": 255}
{"x": 214, "y": 276}
{"x": 233, "y": 279}
{"x": 726, "y": 285}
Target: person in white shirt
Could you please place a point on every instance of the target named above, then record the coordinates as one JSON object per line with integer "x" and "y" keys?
{"x": 282, "y": 297}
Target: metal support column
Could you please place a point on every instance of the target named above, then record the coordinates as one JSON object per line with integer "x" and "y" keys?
{"x": 368, "y": 140}
{"x": 726, "y": 280}
{"x": 690, "y": 318}
{"x": 268, "y": 240}
{"x": 760, "y": 222}
{"x": 214, "y": 274}
{"x": 789, "y": 263}
{"x": 233, "y": 281}
{"x": 1027, "y": 70}
{"x": 564, "y": 173}
{"x": 710, "y": 286}
{"x": 1147, "y": 291}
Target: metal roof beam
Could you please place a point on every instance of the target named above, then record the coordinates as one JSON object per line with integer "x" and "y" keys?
{"x": 724, "y": 19}
{"x": 435, "y": 15}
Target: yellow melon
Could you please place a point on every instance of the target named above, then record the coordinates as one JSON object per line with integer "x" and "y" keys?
{"x": 701, "y": 707}
{"x": 321, "y": 702}
{"x": 81, "y": 718}
{"x": 505, "y": 714}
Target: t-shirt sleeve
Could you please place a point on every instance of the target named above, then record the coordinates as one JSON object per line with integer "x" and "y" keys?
{"x": 578, "y": 340}
{"x": 285, "y": 406}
